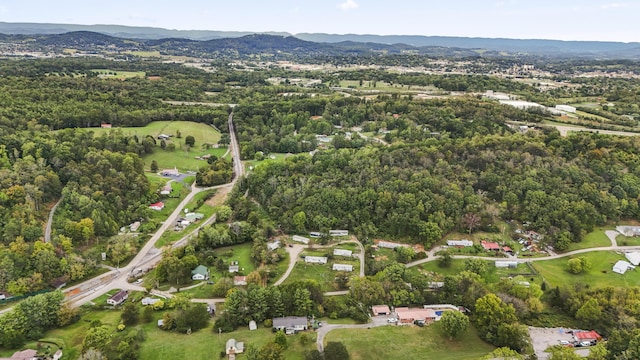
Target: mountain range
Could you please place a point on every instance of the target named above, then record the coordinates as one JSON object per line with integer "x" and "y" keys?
{"x": 331, "y": 43}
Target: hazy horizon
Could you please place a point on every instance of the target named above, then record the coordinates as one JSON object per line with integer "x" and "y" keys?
{"x": 588, "y": 20}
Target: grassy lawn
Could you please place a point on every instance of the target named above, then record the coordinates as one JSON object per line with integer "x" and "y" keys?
{"x": 180, "y": 157}
{"x": 271, "y": 158}
{"x": 627, "y": 240}
{"x": 492, "y": 276}
{"x": 600, "y": 275}
{"x": 384, "y": 86}
{"x": 323, "y": 274}
{"x": 170, "y": 204}
{"x": 409, "y": 342}
{"x": 593, "y": 239}
{"x": 205, "y": 344}
{"x": 117, "y": 74}
{"x": 171, "y": 235}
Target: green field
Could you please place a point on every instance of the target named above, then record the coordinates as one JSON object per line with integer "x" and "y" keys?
{"x": 593, "y": 239}
{"x": 493, "y": 274}
{"x": 323, "y": 274}
{"x": 627, "y": 240}
{"x": 556, "y": 273}
{"x": 409, "y": 342}
{"x": 182, "y": 158}
{"x": 384, "y": 86}
{"x": 277, "y": 157}
{"x": 118, "y": 74}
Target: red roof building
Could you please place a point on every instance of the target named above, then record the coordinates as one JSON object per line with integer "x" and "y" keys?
{"x": 586, "y": 336}
{"x": 507, "y": 249}
{"x": 490, "y": 245}
{"x": 157, "y": 206}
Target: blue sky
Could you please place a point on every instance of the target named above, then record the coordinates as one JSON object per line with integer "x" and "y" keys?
{"x": 526, "y": 19}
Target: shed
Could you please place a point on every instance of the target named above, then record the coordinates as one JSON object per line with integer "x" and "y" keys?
{"x": 253, "y": 325}
{"x": 633, "y": 257}
{"x": 622, "y": 266}
{"x": 239, "y": 280}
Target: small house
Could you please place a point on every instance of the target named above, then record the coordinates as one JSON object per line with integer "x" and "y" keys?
{"x": 339, "y": 232}
{"x": 157, "y": 206}
{"x": 411, "y": 315}
{"x": 118, "y": 298}
{"x": 380, "y": 310}
{"x": 234, "y": 267}
{"x": 170, "y": 172}
{"x": 389, "y": 245}
{"x": 274, "y": 245}
{"x": 253, "y": 325}
{"x": 622, "y": 266}
{"x": 134, "y": 226}
{"x": 633, "y": 257}
{"x": 234, "y": 347}
{"x": 315, "y": 260}
{"x": 460, "y": 243}
{"x": 342, "y": 252}
{"x": 105, "y": 126}
{"x": 300, "y": 239}
{"x": 149, "y": 301}
{"x": 506, "y": 264}
{"x": 240, "y": 280}
{"x": 166, "y": 190}
{"x": 291, "y": 323}
{"x": 586, "y": 336}
{"x": 491, "y": 246}
{"x": 193, "y": 216}
{"x": 342, "y": 267}
{"x": 201, "y": 272}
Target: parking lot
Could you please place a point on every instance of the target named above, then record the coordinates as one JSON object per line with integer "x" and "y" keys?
{"x": 542, "y": 338}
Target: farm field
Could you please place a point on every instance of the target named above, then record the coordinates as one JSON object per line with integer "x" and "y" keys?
{"x": 182, "y": 158}
{"x": 277, "y": 157}
{"x": 555, "y": 272}
{"x": 409, "y": 342}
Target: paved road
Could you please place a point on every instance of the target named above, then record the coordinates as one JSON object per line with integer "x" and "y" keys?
{"x": 326, "y": 328}
{"x": 149, "y": 255}
{"x": 293, "y": 251}
{"x": 47, "y": 231}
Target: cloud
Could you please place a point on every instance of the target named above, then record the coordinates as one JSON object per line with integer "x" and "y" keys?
{"x": 614, "y": 5}
{"x": 349, "y": 5}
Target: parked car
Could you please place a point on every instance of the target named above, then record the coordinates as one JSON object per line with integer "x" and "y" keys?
{"x": 139, "y": 281}
{"x": 564, "y": 342}
{"x": 392, "y": 320}
{"x": 585, "y": 343}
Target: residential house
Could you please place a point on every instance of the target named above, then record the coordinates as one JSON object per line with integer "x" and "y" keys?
{"x": 105, "y": 126}
{"x": 586, "y": 336}
{"x": 622, "y": 266}
{"x": 134, "y": 226}
{"x": 300, "y": 239}
{"x": 342, "y": 267}
{"x": 493, "y": 246}
{"x": 507, "y": 250}
{"x": 149, "y": 301}
{"x": 339, "y": 232}
{"x": 57, "y": 355}
{"x": 274, "y": 245}
{"x": 410, "y": 315}
{"x": 315, "y": 260}
{"x": 157, "y": 206}
{"x": 290, "y": 324}
{"x": 342, "y": 252}
{"x": 506, "y": 264}
{"x": 118, "y": 298}
{"x": 389, "y": 245}
{"x": 253, "y": 325}
{"x": 234, "y": 267}
{"x": 380, "y": 310}
{"x": 633, "y": 257}
{"x": 234, "y": 347}
{"x": 170, "y": 172}
{"x": 240, "y": 280}
{"x": 193, "y": 216}
{"x": 460, "y": 243}
{"x": 28, "y": 354}
{"x": 166, "y": 189}
{"x": 201, "y": 272}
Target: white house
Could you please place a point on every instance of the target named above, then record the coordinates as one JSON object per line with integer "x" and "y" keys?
{"x": 253, "y": 325}
{"x": 633, "y": 257}
{"x": 567, "y": 108}
{"x": 201, "y": 272}
{"x": 342, "y": 267}
{"x": 300, "y": 239}
{"x": 234, "y": 347}
{"x": 339, "y": 232}
{"x": 460, "y": 243}
{"x": 342, "y": 252}
{"x": 315, "y": 259}
{"x": 506, "y": 264}
{"x": 622, "y": 266}
{"x": 149, "y": 301}
{"x": 118, "y": 298}
{"x": 274, "y": 245}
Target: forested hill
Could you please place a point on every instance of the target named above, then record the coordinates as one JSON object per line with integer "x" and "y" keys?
{"x": 222, "y": 43}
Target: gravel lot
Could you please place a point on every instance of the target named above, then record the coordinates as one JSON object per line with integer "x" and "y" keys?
{"x": 542, "y": 338}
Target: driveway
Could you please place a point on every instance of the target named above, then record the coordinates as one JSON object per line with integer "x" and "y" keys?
{"x": 326, "y": 328}
{"x": 293, "y": 251}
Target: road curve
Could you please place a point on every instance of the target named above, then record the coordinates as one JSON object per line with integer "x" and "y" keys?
{"x": 47, "y": 231}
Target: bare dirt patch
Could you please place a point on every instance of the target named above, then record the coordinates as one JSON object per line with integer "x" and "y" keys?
{"x": 219, "y": 197}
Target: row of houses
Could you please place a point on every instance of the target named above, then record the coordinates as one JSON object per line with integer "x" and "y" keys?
{"x": 322, "y": 260}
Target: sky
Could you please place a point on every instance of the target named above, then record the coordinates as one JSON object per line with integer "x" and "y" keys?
{"x": 599, "y": 20}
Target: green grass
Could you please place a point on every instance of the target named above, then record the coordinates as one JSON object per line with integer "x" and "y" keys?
{"x": 627, "y": 241}
{"x": 145, "y": 53}
{"x": 278, "y": 157}
{"x": 170, "y": 204}
{"x": 409, "y": 342}
{"x": 594, "y": 239}
{"x": 384, "y": 86}
{"x": 171, "y": 236}
{"x": 205, "y": 344}
{"x": 118, "y": 74}
{"x": 323, "y": 274}
{"x": 556, "y": 273}
{"x": 179, "y": 158}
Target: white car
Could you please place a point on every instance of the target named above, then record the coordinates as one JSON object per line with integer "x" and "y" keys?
{"x": 564, "y": 342}
{"x": 139, "y": 281}
{"x": 392, "y": 320}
